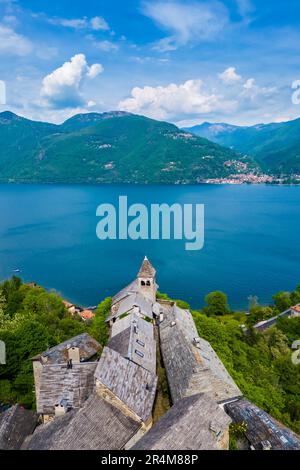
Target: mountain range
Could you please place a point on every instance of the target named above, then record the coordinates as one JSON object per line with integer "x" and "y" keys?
{"x": 276, "y": 147}
{"x": 109, "y": 147}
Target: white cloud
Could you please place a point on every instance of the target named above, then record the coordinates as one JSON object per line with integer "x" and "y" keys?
{"x": 186, "y": 22}
{"x": 91, "y": 103}
{"x": 229, "y": 76}
{"x": 106, "y": 46}
{"x": 94, "y": 70}
{"x": 13, "y": 43}
{"x": 173, "y": 100}
{"x": 99, "y": 24}
{"x": 249, "y": 84}
{"x": 62, "y": 87}
{"x": 76, "y": 23}
{"x": 253, "y": 91}
{"x": 196, "y": 99}
{"x": 96, "y": 23}
{"x": 166, "y": 45}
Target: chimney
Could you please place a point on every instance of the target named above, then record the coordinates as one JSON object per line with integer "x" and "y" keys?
{"x": 74, "y": 355}
{"x": 61, "y": 408}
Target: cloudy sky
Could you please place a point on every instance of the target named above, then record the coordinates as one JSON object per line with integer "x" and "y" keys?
{"x": 183, "y": 61}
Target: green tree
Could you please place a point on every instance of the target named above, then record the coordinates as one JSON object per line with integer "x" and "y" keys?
{"x": 99, "y": 329}
{"x": 290, "y": 327}
{"x": 32, "y": 320}
{"x": 217, "y": 304}
{"x": 258, "y": 313}
{"x": 282, "y": 301}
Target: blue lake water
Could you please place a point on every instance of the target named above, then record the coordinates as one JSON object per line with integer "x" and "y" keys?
{"x": 251, "y": 246}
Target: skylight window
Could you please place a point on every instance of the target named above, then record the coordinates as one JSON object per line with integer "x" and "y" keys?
{"x": 139, "y": 353}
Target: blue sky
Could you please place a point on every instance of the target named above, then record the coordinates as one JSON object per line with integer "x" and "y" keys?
{"x": 181, "y": 61}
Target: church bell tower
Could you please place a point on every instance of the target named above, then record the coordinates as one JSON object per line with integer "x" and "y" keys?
{"x": 146, "y": 280}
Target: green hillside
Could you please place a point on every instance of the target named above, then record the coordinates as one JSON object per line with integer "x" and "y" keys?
{"x": 106, "y": 148}
{"x": 275, "y": 146}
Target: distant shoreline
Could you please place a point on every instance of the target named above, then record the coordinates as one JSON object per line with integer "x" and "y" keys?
{"x": 85, "y": 183}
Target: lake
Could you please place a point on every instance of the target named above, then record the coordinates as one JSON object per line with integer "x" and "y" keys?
{"x": 251, "y": 241}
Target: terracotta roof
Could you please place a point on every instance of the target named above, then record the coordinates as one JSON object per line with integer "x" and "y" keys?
{"x": 296, "y": 308}
{"x": 146, "y": 269}
{"x": 87, "y": 314}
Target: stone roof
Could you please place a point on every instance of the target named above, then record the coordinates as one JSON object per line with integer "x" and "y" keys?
{"x": 191, "y": 364}
{"x": 124, "y": 323}
{"x": 132, "y": 288}
{"x": 131, "y": 383}
{"x": 121, "y": 324}
{"x": 120, "y": 342}
{"x": 193, "y": 423}
{"x": 16, "y": 424}
{"x": 262, "y": 427}
{"x": 133, "y": 302}
{"x": 142, "y": 350}
{"x": 136, "y": 343}
{"x": 46, "y": 436}
{"x": 96, "y": 426}
{"x": 87, "y": 345}
{"x": 184, "y": 320}
{"x": 146, "y": 269}
{"x": 70, "y": 386}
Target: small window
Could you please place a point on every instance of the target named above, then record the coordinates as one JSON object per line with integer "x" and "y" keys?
{"x": 141, "y": 343}
{"x": 139, "y": 353}
{"x": 143, "y": 283}
{"x": 148, "y": 283}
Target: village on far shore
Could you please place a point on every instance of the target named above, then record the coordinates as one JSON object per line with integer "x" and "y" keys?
{"x": 89, "y": 398}
{"x": 252, "y": 178}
